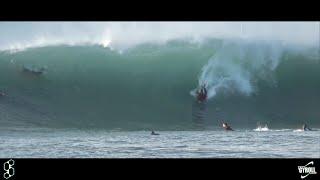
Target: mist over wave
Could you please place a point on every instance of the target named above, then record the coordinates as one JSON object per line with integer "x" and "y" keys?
{"x": 122, "y": 35}
{"x": 237, "y": 66}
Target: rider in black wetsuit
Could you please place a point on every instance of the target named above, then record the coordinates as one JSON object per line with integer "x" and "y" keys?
{"x": 305, "y": 128}
{"x": 153, "y": 133}
{"x": 2, "y": 94}
{"x": 34, "y": 71}
{"x": 202, "y": 94}
{"x": 226, "y": 127}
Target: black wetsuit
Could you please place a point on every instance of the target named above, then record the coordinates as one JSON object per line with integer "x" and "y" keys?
{"x": 153, "y": 133}
{"x": 306, "y": 128}
{"x": 227, "y": 127}
{"x": 202, "y": 95}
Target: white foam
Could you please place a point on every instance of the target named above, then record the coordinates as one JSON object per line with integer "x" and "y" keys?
{"x": 298, "y": 130}
{"x": 259, "y": 128}
{"x": 237, "y": 64}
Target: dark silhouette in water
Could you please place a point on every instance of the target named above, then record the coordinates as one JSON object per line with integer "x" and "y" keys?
{"x": 202, "y": 94}
{"x": 226, "y": 127}
{"x": 34, "y": 71}
{"x": 2, "y": 94}
{"x": 306, "y": 128}
{"x": 153, "y": 133}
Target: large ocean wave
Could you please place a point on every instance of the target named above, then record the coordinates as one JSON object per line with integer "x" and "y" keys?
{"x": 150, "y": 85}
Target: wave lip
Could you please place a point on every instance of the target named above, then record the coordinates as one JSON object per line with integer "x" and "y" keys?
{"x": 122, "y": 35}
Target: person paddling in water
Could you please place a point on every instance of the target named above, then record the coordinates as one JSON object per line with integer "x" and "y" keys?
{"x": 202, "y": 93}
{"x": 153, "y": 133}
{"x": 2, "y": 94}
{"x": 34, "y": 71}
{"x": 305, "y": 128}
{"x": 226, "y": 127}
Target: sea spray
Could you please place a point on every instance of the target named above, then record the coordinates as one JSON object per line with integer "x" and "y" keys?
{"x": 236, "y": 66}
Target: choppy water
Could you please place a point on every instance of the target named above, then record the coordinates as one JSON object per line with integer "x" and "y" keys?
{"x": 49, "y": 143}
